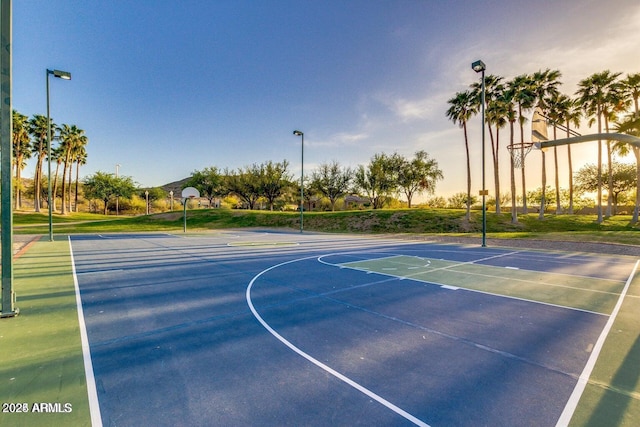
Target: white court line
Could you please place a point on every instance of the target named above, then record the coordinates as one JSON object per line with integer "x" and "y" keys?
{"x": 94, "y": 405}
{"x": 316, "y": 362}
{"x": 572, "y": 404}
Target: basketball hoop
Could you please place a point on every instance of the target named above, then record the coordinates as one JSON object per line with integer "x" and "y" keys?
{"x": 518, "y": 153}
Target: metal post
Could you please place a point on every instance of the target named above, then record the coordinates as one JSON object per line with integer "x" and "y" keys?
{"x": 66, "y": 76}
{"x": 484, "y": 188}
{"x": 184, "y": 214}
{"x": 479, "y": 66}
{"x": 49, "y": 197}
{"x": 301, "y": 134}
{"x": 6, "y": 124}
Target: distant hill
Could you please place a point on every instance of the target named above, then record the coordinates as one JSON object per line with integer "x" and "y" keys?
{"x": 175, "y": 186}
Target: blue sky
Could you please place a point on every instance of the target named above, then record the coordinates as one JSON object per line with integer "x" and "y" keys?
{"x": 163, "y": 88}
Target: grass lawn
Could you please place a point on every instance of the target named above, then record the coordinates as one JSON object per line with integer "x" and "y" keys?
{"x": 617, "y": 229}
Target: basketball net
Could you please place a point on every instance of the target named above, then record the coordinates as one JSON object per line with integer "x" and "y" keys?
{"x": 520, "y": 150}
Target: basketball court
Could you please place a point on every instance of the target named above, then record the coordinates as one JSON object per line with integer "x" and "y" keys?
{"x": 284, "y": 328}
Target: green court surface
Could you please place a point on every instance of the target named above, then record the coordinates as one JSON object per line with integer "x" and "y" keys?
{"x": 41, "y": 363}
{"x": 612, "y": 395}
{"x": 578, "y": 292}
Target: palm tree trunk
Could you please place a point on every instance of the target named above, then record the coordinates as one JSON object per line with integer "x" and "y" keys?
{"x": 466, "y": 147}
{"x": 18, "y": 182}
{"x": 70, "y": 175}
{"x": 514, "y": 209}
{"x": 64, "y": 186}
{"x": 522, "y": 170}
{"x": 557, "y": 177}
{"x": 570, "y": 172}
{"x": 544, "y": 186}
{"x": 37, "y": 185}
{"x": 599, "y": 167}
{"x": 55, "y": 187}
{"x": 636, "y": 152}
{"x": 496, "y": 169}
{"x": 77, "y": 177}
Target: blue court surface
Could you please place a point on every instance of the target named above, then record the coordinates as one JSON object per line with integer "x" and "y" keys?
{"x": 276, "y": 328}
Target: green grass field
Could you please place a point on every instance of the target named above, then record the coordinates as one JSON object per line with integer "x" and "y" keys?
{"x": 617, "y": 229}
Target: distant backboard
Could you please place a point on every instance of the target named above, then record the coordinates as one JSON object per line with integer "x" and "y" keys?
{"x": 190, "y": 193}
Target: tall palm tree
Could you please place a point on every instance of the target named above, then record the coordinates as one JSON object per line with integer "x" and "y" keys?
{"x": 631, "y": 125}
{"x": 497, "y": 113}
{"x": 461, "y": 109}
{"x": 494, "y": 116}
{"x": 40, "y": 146}
{"x": 558, "y": 106}
{"x": 593, "y": 95}
{"x": 21, "y": 150}
{"x": 524, "y": 96}
{"x": 71, "y": 138}
{"x": 631, "y": 88}
{"x": 509, "y": 102}
{"x": 571, "y": 114}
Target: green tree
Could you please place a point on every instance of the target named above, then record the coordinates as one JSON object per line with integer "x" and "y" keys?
{"x": 72, "y": 139}
{"x": 418, "y": 175}
{"x": 104, "y": 186}
{"x": 273, "y": 180}
{"x": 332, "y": 181}
{"x": 462, "y": 107}
{"x": 557, "y": 109}
{"x": 593, "y": 96}
{"x": 21, "y": 150}
{"x": 508, "y": 102}
{"x": 378, "y": 179}
{"x": 244, "y": 183}
{"x": 40, "y": 147}
{"x": 79, "y": 158}
{"x": 624, "y": 179}
{"x": 631, "y": 126}
{"x": 494, "y": 115}
{"x": 209, "y": 182}
{"x": 524, "y": 96}
{"x": 460, "y": 200}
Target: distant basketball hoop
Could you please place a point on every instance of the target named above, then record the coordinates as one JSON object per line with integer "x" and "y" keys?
{"x": 519, "y": 152}
{"x": 188, "y": 193}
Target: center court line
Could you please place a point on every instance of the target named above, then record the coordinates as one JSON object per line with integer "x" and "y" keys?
{"x": 94, "y": 404}
{"x": 316, "y": 362}
{"x": 572, "y": 403}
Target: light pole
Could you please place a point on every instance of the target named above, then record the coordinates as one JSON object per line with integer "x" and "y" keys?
{"x": 171, "y": 196}
{"x": 117, "y": 195}
{"x": 479, "y": 67}
{"x": 146, "y": 196}
{"x": 64, "y": 75}
{"x": 301, "y": 134}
